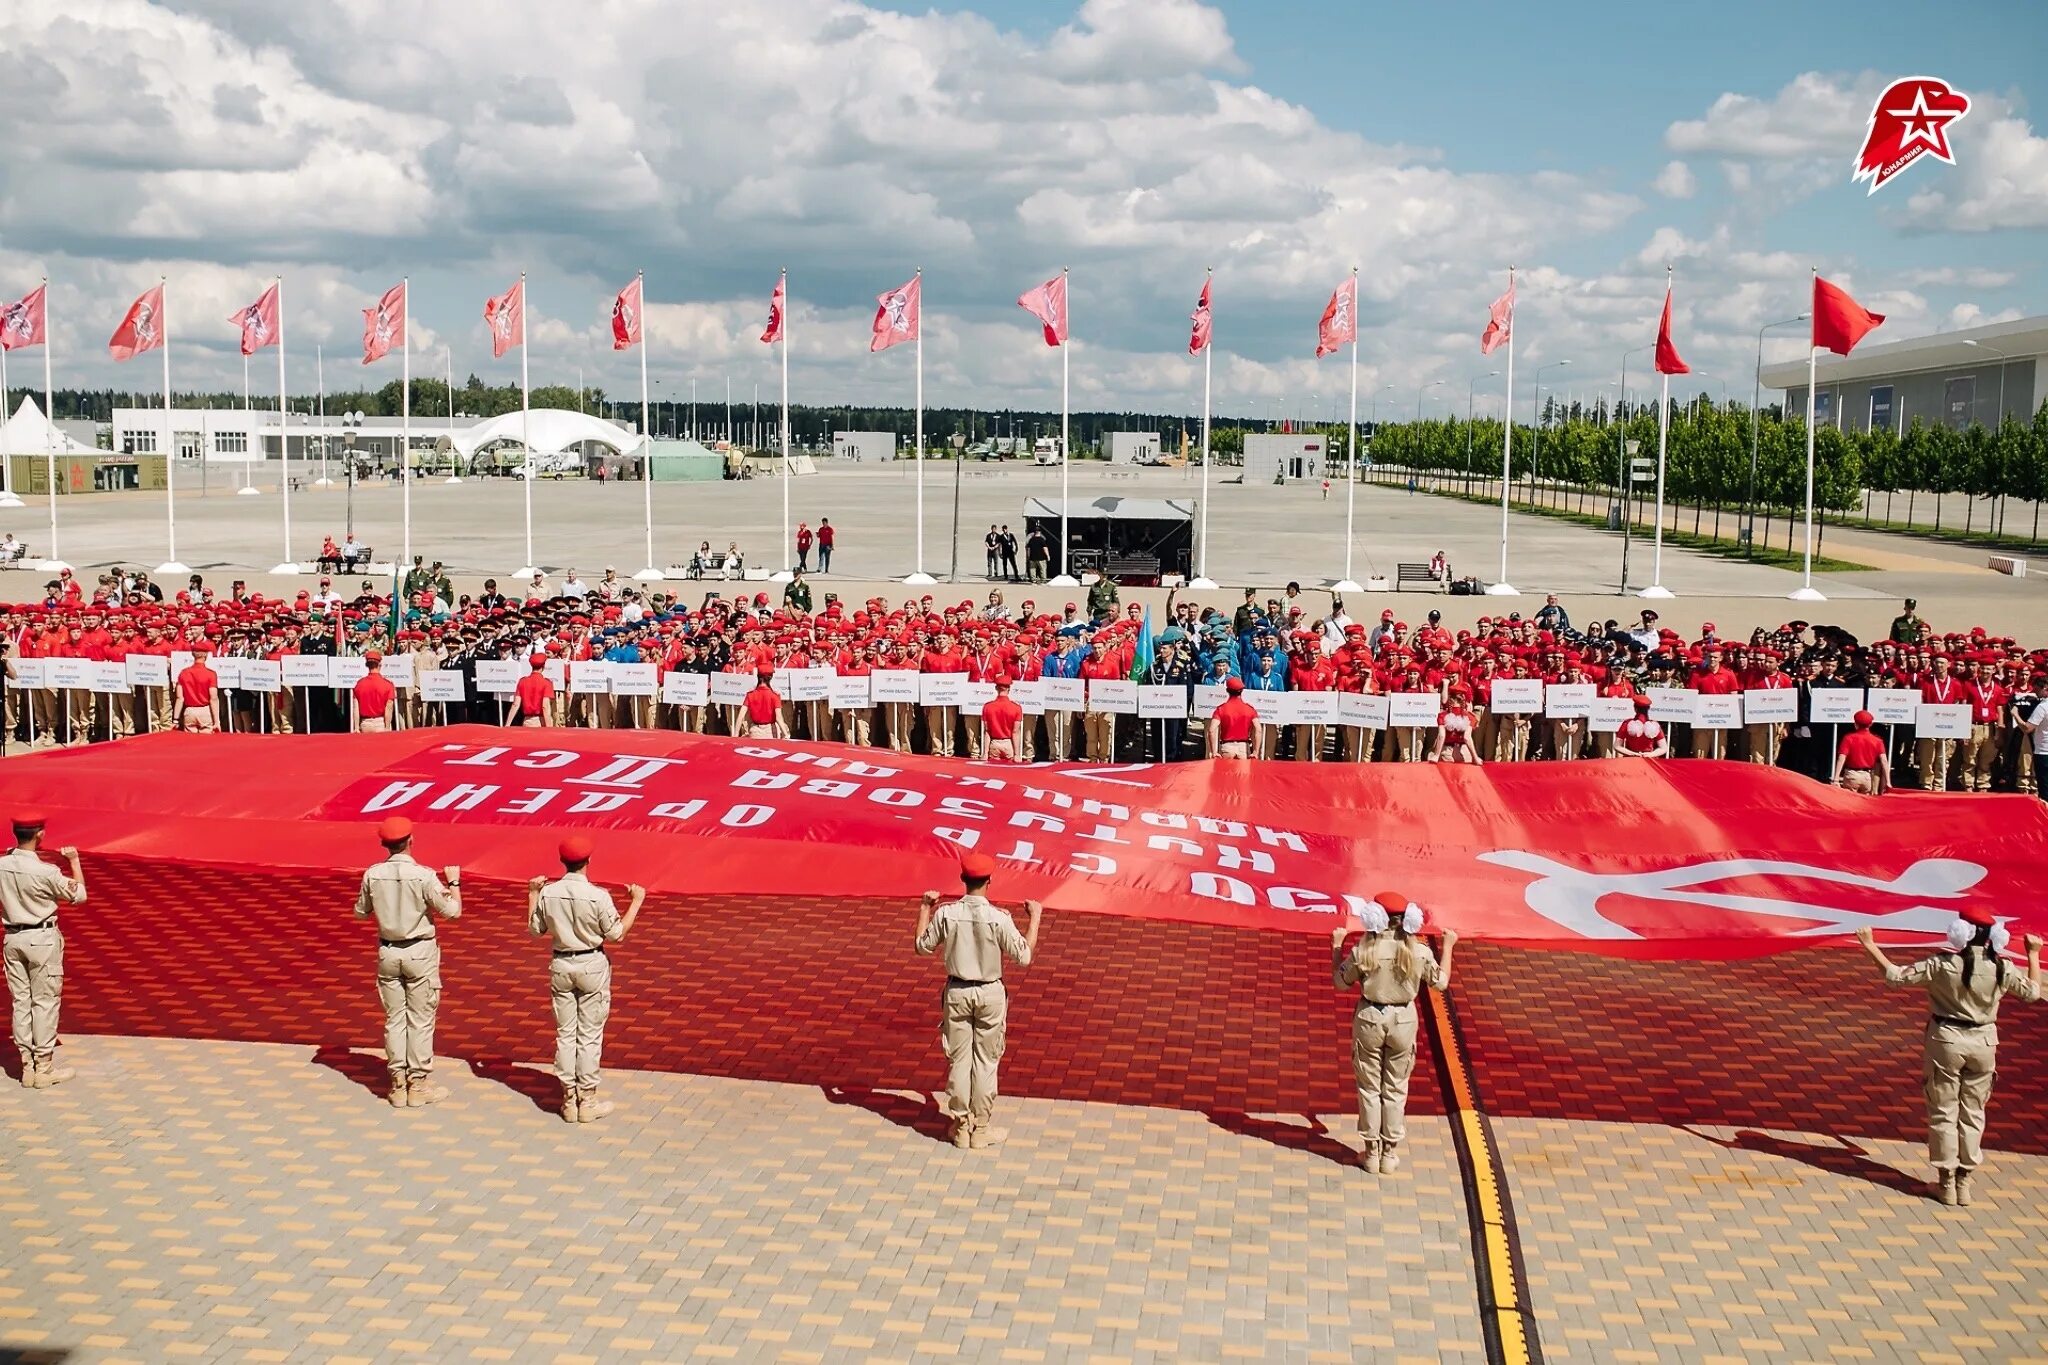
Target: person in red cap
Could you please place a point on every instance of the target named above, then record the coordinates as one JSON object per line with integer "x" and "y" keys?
{"x": 763, "y": 707}
{"x": 198, "y": 696}
{"x": 404, "y": 897}
{"x": 1863, "y": 760}
{"x": 580, "y": 918}
{"x": 371, "y": 699}
{"x": 1233, "y": 725}
{"x": 1964, "y": 986}
{"x": 1454, "y": 726}
{"x": 1389, "y": 965}
{"x": 535, "y": 693}
{"x": 999, "y": 721}
{"x": 30, "y": 892}
{"x": 1640, "y": 736}
{"x": 975, "y": 936}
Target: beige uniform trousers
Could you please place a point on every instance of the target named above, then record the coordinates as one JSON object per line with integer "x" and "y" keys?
{"x": 973, "y": 1024}
{"x": 1934, "y": 756}
{"x": 1383, "y": 1055}
{"x": 34, "y": 960}
{"x": 581, "y": 988}
{"x": 901, "y": 724}
{"x": 976, "y": 736}
{"x": 1764, "y": 742}
{"x": 1957, "y": 1082}
{"x": 1980, "y": 752}
{"x": 1308, "y": 743}
{"x": 1510, "y": 739}
{"x": 941, "y": 724}
{"x": 1099, "y": 727}
{"x": 1059, "y": 742}
{"x": 857, "y": 725}
{"x": 409, "y": 984}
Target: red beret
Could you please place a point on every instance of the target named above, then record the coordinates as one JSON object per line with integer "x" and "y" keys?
{"x": 977, "y": 867}
{"x": 30, "y": 819}
{"x": 536, "y": 660}
{"x": 1979, "y": 915}
{"x": 395, "y": 829}
{"x": 575, "y": 849}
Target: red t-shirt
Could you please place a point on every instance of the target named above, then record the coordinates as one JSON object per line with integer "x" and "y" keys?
{"x": 534, "y": 692}
{"x": 1236, "y": 721}
{"x": 1718, "y": 682}
{"x": 763, "y": 705}
{"x": 196, "y": 685}
{"x": 1640, "y": 735}
{"x": 1000, "y": 718}
{"x": 374, "y": 695}
{"x": 1863, "y": 749}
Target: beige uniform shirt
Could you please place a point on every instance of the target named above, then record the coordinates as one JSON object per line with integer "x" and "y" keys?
{"x": 399, "y": 893}
{"x": 1976, "y": 1003}
{"x": 976, "y": 936}
{"x": 31, "y": 889}
{"x": 1369, "y": 965}
{"x": 577, "y": 915}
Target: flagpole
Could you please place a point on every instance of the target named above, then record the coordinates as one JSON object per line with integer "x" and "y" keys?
{"x": 55, "y": 563}
{"x": 1351, "y": 468}
{"x": 1065, "y": 578}
{"x": 1503, "y": 588}
{"x": 652, "y": 573}
{"x": 284, "y": 446}
{"x": 1202, "y": 579}
{"x": 405, "y": 419}
{"x": 785, "y": 416}
{"x": 526, "y": 425}
{"x": 170, "y": 564}
{"x": 1806, "y": 592}
{"x": 320, "y": 386}
{"x": 454, "y": 460}
{"x": 918, "y": 577}
{"x": 1657, "y": 588}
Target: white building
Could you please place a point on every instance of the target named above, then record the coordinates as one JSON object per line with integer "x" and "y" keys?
{"x": 236, "y": 436}
{"x": 1272, "y": 459}
{"x": 1131, "y": 447}
{"x": 867, "y": 447}
{"x": 1950, "y": 379}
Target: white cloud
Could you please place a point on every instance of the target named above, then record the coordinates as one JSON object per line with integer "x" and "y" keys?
{"x": 1675, "y": 181}
{"x": 1814, "y": 115}
{"x": 1970, "y": 315}
{"x": 1999, "y": 181}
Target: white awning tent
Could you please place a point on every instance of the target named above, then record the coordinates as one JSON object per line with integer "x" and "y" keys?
{"x": 551, "y": 430}
{"x": 28, "y": 432}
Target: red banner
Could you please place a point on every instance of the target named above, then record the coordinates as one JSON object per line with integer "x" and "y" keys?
{"x": 1685, "y": 858}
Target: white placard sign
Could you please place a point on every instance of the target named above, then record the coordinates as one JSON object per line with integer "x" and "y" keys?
{"x": 1771, "y": 706}
{"x": 975, "y": 695}
{"x": 1516, "y": 696}
{"x": 1718, "y": 713}
{"x": 110, "y": 677}
{"x": 1567, "y": 701}
{"x": 1606, "y": 714}
{"x": 555, "y": 671}
{"x": 1117, "y": 696}
{"x": 496, "y": 677}
{"x": 30, "y": 673}
{"x": 1943, "y": 722}
{"x": 181, "y": 659}
{"x": 730, "y": 689}
{"x": 779, "y": 680}
{"x": 850, "y": 693}
{"x": 227, "y": 671}
{"x": 1671, "y": 704}
{"x": 442, "y": 685}
{"x": 1274, "y": 708}
{"x": 345, "y": 670}
{"x": 1162, "y": 701}
{"x": 1209, "y": 696}
{"x": 635, "y": 680}
{"x": 1315, "y": 708}
{"x": 589, "y": 677}
{"x": 1030, "y": 696}
{"x": 941, "y": 689}
{"x": 149, "y": 670}
{"x": 398, "y": 668}
{"x": 1838, "y": 705}
{"x": 895, "y": 685}
{"x": 262, "y": 675}
{"x": 686, "y": 689}
{"x": 306, "y": 670}
{"x": 1894, "y": 706}
{"x": 1064, "y": 694}
{"x": 811, "y": 684}
{"x": 1367, "y": 711}
{"x": 1407, "y": 710}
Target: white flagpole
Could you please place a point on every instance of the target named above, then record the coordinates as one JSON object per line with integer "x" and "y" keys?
{"x": 1202, "y": 579}
{"x": 1065, "y": 578}
{"x": 1503, "y": 588}
{"x": 405, "y": 422}
{"x": 1657, "y": 588}
{"x": 652, "y": 573}
{"x": 1806, "y": 592}
{"x": 55, "y": 563}
{"x": 786, "y": 543}
{"x": 918, "y": 577}
{"x": 1351, "y": 469}
{"x": 526, "y": 425}
{"x": 284, "y": 445}
{"x": 170, "y": 564}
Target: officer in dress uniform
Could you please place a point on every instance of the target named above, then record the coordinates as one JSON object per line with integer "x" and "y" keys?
{"x": 974, "y": 1012}
{"x": 580, "y": 918}
{"x": 1389, "y": 965}
{"x": 1964, "y": 986}
{"x": 30, "y": 892}
{"x": 400, "y": 894}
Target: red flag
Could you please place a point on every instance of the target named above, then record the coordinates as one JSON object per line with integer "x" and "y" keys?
{"x": 22, "y": 322}
{"x": 384, "y": 324}
{"x": 776, "y": 301}
{"x": 896, "y": 315}
{"x": 626, "y": 317}
{"x": 1839, "y": 322}
{"x": 258, "y": 322}
{"x": 1198, "y": 341}
{"x": 1048, "y": 303}
{"x": 1668, "y": 359}
{"x": 143, "y": 327}
{"x": 1500, "y": 323}
{"x": 506, "y": 314}
{"x": 1340, "y": 318}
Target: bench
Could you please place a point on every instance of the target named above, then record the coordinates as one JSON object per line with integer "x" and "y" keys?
{"x": 341, "y": 563}
{"x": 2010, "y": 565}
{"x": 11, "y": 555}
{"x": 1405, "y": 574}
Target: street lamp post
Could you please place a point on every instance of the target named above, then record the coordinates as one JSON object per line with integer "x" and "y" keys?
{"x": 1536, "y": 420}
{"x": 351, "y": 422}
{"x": 1755, "y": 402}
{"x": 1490, "y": 374}
{"x": 1432, "y": 384}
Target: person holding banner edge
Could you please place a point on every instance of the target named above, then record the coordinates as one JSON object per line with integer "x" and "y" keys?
{"x": 975, "y": 936}
{"x": 579, "y": 918}
{"x": 1389, "y": 965}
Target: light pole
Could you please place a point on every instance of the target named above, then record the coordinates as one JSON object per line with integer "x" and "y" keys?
{"x": 1536, "y": 420}
{"x": 351, "y": 422}
{"x": 1490, "y": 374}
{"x": 1755, "y": 401}
{"x": 1432, "y": 384}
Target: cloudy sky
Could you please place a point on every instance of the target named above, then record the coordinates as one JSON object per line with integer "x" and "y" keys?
{"x": 341, "y": 145}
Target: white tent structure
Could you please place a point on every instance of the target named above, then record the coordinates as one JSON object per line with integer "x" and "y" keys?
{"x": 551, "y": 430}
{"x": 29, "y": 432}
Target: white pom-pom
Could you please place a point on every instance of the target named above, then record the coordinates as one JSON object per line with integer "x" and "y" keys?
{"x": 1411, "y": 919}
{"x": 1374, "y": 918}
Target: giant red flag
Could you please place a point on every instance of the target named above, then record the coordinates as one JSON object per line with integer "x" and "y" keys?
{"x": 1668, "y": 359}
{"x": 776, "y": 302}
{"x": 1048, "y": 303}
{"x": 896, "y": 315}
{"x": 1500, "y": 322}
{"x": 626, "y": 317}
{"x": 1198, "y": 340}
{"x": 142, "y": 329}
{"x": 384, "y": 324}
{"x": 1340, "y": 318}
{"x": 23, "y": 322}
{"x": 506, "y": 315}
{"x": 258, "y": 322}
{"x": 1839, "y": 322}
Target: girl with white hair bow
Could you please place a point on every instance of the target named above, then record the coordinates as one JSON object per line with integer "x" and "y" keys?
{"x": 1389, "y": 965}
{"x": 1964, "y": 986}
